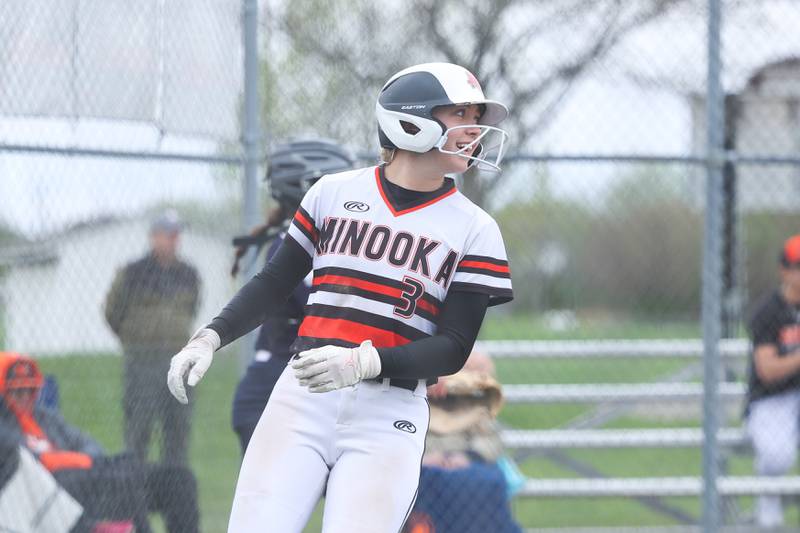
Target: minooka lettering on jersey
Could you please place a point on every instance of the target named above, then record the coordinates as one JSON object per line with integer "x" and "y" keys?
{"x": 381, "y": 271}
{"x": 376, "y": 242}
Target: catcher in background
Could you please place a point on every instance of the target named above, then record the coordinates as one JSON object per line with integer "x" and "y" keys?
{"x": 294, "y": 166}
{"x": 404, "y": 269}
{"x": 463, "y": 488}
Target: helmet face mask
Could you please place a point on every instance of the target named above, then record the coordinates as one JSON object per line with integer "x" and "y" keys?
{"x": 412, "y": 95}
{"x": 489, "y": 147}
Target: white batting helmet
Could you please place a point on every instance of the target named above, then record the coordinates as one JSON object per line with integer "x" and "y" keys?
{"x": 405, "y": 111}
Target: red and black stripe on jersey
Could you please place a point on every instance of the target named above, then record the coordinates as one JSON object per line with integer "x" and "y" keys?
{"x": 305, "y": 223}
{"x": 487, "y": 266}
{"x": 373, "y": 287}
{"x": 500, "y": 295}
{"x": 349, "y": 327}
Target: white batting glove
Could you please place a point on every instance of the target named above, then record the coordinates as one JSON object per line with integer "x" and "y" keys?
{"x": 194, "y": 359}
{"x": 333, "y": 367}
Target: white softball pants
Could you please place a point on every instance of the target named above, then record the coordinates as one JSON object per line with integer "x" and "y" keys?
{"x": 773, "y": 426}
{"x": 360, "y": 446}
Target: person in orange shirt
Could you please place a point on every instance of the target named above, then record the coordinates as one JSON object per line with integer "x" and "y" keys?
{"x": 108, "y": 487}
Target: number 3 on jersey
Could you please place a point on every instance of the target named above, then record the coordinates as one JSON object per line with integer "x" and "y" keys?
{"x": 412, "y": 291}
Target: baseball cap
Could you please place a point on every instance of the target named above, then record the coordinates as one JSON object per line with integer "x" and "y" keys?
{"x": 790, "y": 254}
{"x": 168, "y": 222}
{"x": 18, "y": 371}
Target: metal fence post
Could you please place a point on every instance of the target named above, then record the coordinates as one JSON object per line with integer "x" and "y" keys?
{"x": 251, "y": 144}
{"x": 711, "y": 283}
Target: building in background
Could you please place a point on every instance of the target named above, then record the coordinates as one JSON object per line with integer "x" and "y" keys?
{"x": 763, "y": 119}
{"x": 52, "y": 291}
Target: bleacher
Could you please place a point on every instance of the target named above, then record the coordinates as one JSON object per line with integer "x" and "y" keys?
{"x": 599, "y": 395}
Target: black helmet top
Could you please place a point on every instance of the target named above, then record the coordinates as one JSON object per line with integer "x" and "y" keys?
{"x": 295, "y": 165}
{"x": 411, "y": 95}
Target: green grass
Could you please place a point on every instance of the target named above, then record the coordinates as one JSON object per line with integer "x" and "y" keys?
{"x": 501, "y": 326}
{"x": 587, "y": 370}
{"x": 565, "y": 371}
{"x": 91, "y": 385}
{"x": 91, "y": 399}
{"x": 90, "y": 388}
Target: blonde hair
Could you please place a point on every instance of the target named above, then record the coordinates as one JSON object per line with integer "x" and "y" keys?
{"x": 387, "y": 155}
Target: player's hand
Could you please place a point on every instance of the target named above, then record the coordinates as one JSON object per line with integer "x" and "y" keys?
{"x": 333, "y": 367}
{"x": 194, "y": 359}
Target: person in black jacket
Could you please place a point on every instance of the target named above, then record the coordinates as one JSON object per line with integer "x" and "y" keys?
{"x": 773, "y": 399}
{"x": 151, "y": 307}
{"x": 293, "y": 167}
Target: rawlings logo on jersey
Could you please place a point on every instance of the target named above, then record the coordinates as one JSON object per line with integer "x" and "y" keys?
{"x": 400, "y": 249}
{"x": 405, "y": 425}
{"x": 358, "y": 207}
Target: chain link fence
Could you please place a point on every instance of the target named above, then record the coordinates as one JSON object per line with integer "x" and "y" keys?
{"x": 113, "y": 113}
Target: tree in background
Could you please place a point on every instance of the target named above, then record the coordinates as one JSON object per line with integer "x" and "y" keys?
{"x": 543, "y": 233}
{"x": 644, "y": 252}
{"x": 635, "y": 252}
{"x": 326, "y": 59}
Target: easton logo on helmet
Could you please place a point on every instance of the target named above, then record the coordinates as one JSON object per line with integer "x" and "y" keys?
{"x": 405, "y": 425}
{"x": 358, "y": 207}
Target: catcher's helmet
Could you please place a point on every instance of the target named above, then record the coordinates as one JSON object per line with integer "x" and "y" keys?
{"x": 294, "y": 166}
{"x": 406, "y": 103}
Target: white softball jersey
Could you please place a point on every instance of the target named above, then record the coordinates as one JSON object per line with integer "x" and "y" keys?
{"x": 380, "y": 273}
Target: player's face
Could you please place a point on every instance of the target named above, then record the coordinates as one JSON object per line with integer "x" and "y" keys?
{"x": 23, "y": 398}
{"x": 453, "y": 116}
{"x": 164, "y": 244}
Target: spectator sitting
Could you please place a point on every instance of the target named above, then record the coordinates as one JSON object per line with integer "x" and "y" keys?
{"x": 108, "y": 487}
{"x": 462, "y": 487}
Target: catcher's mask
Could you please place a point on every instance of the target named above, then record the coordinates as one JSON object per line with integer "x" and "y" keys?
{"x": 294, "y": 166}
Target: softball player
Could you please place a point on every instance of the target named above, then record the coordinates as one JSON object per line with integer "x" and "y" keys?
{"x": 293, "y": 167}
{"x": 404, "y": 267}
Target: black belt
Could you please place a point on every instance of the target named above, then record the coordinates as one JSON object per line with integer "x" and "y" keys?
{"x": 408, "y": 384}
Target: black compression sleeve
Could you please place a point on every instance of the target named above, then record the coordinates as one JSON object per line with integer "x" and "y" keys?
{"x": 267, "y": 290}
{"x": 447, "y": 351}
